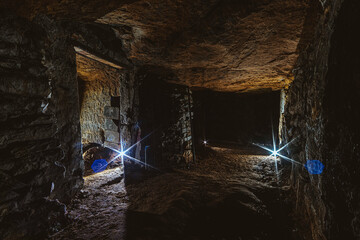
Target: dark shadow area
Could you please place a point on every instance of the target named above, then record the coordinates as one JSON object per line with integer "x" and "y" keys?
{"x": 229, "y": 195}
{"x": 231, "y": 118}
{"x": 342, "y": 130}
{"x": 165, "y": 112}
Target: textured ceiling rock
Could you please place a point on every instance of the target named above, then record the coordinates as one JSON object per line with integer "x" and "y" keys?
{"x": 92, "y": 70}
{"x": 101, "y": 40}
{"x": 223, "y": 45}
{"x": 87, "y": 10}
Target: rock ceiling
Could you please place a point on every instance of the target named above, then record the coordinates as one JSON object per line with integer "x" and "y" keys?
{"x": 224, "y": 45}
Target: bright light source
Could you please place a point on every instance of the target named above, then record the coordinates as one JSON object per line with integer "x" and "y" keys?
{"x": 123, "y": 153}
{"x": 274, "y": 153}
{"x": 205, "y": 142}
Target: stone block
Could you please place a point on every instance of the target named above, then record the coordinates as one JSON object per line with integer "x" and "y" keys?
{"x": 112, "y": 136}
{"x": 112, "y": 112}
{"x": 124, "y": 119}
{"x": 110, "y": 125}
{"x": 112, "y": 145}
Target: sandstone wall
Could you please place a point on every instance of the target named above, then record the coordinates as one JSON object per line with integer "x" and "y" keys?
{"x": 40, "y": 148}
{"x": 322, "y": 110}
{"x": 99, "y": 85}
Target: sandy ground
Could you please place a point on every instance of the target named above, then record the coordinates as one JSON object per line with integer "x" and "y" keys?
{"x": 99, "y": 210}
{"x": 229, "y": 195}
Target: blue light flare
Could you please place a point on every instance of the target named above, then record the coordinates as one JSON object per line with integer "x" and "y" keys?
{"x": 314, "y": 166}
{"x": 99, "y": 165}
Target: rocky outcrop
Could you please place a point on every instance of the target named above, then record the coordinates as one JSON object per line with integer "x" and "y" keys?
{"x": 40, "y": 148}
{"x": 322, "y": 111}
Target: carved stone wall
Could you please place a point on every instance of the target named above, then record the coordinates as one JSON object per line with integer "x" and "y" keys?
{"x": 322, "y": 111}
{"x": 40, "y": 146}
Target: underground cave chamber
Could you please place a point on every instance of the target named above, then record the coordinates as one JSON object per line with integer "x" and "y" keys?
{"x": 225, "y": 119}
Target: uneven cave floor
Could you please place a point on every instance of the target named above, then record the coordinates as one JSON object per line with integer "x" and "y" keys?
{"x": 230, "y": 194}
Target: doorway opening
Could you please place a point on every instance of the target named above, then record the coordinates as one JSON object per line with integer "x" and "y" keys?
{"x": 236, "y": 119}
{"x": 99, "y": 100}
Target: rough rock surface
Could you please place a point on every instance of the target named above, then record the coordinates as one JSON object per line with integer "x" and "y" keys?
{"x": 230, "y": 195}
{"x": 103, "y": 87}
{"x": 87, "y": 10}
{"x": 166, "y": 112}
{"x": 101, "y": 40}
{"x": 40, "y": 148}
{"x": 322, "y": 110}
{"x": 222, "y": 45}
{"x": 99, "y": 210}
{"x": 98, "y": 84}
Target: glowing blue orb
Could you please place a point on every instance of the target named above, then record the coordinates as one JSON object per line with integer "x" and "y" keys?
{"x": 314, "y": 166}
{"x": 99, "y": 165}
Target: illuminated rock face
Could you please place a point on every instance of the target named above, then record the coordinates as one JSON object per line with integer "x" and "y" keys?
{"x": 98, "y": 84}
{"x": 222, "y": 45}
{"x": 323, "y": 111}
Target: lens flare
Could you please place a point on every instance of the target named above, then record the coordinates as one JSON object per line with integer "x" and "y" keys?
{"x": 101, "y": 164}
{"x": 275, "y": 153}
{"x": 314, "y": 166}
{"x": 123, "y": 153}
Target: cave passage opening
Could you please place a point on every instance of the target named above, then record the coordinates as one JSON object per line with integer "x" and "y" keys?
{"x": 99, "y": 104}
{"x": 236, "y": 119}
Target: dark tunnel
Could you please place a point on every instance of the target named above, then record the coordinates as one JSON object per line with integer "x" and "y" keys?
{"x": 241, "y": 119}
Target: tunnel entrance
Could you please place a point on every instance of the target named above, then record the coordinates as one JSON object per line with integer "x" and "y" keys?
{"x": 99, "y": 101}
{"x": 236, "y": 119}
{"x": 229, "y": 193}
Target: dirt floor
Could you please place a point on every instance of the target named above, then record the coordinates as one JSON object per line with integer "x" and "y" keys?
{"x": 228, "y": 195}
